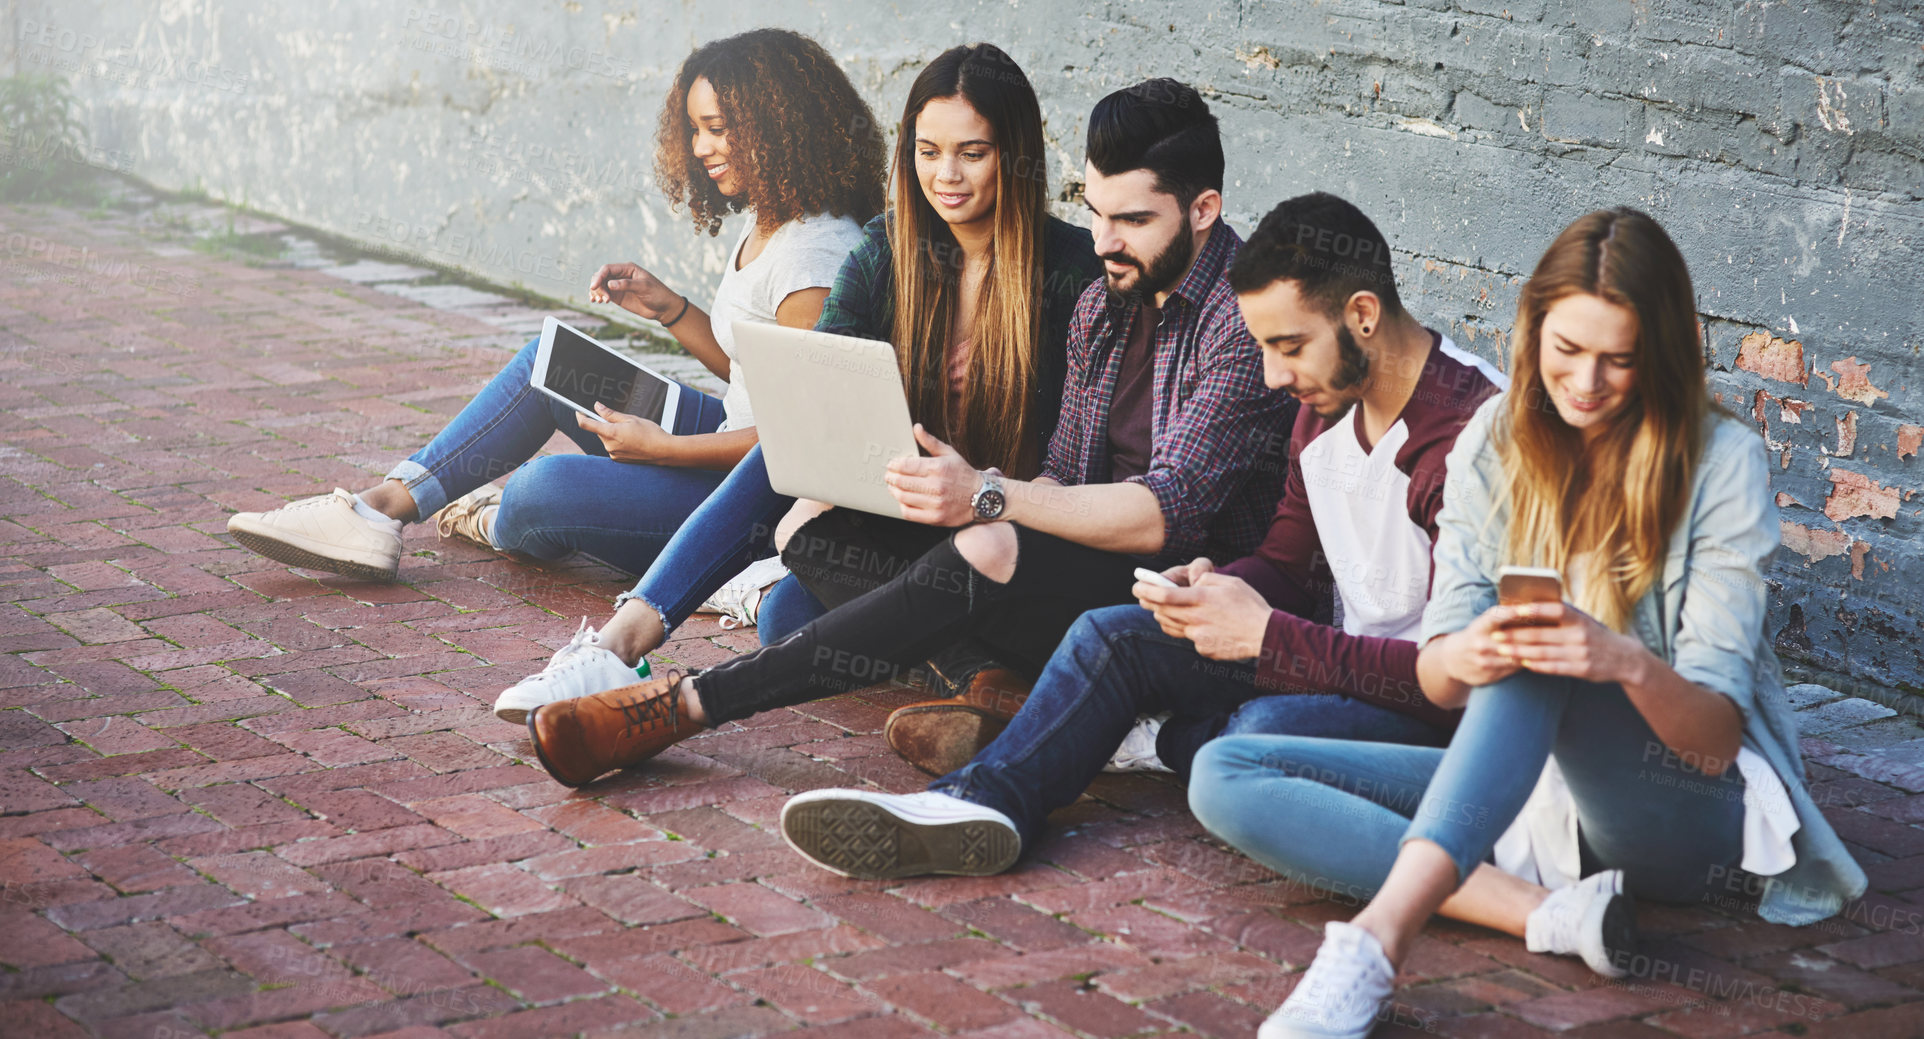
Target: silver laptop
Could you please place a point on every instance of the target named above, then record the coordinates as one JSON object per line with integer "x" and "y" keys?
{"x": 830, "y": 413}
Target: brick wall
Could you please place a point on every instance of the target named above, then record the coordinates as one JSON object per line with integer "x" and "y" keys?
{"x": 1781, "y": 145}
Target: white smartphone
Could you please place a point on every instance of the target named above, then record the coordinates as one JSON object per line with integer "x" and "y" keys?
{"x": 1143, "y": 573}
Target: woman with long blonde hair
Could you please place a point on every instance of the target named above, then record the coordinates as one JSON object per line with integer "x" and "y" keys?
{"x": 1630, "y": 740}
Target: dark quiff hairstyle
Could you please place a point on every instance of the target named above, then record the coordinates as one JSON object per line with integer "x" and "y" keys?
{"x": 803, "y": 140}
{"x": 1326, "y": 246}
{"x": 1163, "y": 126}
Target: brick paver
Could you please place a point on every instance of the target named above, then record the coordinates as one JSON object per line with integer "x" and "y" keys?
{"x": 245, "y": 800}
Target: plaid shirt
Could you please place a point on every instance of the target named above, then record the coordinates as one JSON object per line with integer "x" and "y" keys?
{"x": 1220, "y": 438}
{"x": 861, "y": 303}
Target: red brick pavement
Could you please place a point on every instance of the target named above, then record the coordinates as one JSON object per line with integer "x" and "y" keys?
{"x": 240, "y": 800}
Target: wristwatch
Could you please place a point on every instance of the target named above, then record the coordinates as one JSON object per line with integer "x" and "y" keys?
{"x": 989, "y": 501}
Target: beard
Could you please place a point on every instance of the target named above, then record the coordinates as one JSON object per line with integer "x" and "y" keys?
{"x": 1161, "y": 272}
{"x": 1352, "y": 367}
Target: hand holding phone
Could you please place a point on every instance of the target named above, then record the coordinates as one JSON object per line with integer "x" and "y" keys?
{"x": 1522, "y": 585}
{"x": 1149, "y": 576}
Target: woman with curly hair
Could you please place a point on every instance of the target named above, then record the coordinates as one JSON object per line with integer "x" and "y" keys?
{"x": 763, "y": 123}
{"x": 975, "y": 284}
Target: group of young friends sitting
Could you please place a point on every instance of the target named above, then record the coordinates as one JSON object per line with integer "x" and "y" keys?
{"x": 1327, "y": 486}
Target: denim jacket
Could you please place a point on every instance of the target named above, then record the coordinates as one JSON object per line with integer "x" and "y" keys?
{"x": 1705, "y": 617}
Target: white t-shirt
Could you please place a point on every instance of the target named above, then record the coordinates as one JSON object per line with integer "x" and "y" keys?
{"x": 1373, "y": 532}
{"x": 804, "y": 253}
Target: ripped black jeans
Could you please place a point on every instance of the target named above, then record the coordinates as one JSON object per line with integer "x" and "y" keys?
{"x": 938, "y": 599}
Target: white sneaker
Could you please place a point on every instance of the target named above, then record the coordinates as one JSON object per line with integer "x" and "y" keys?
{"x": 740, "y": 600}
{"x": 583, "y": 667}
{"x": 1592, "y": 918}
{"x": 861, "y": 833}
{"x": 323, "y": 533}
{"x": 1343, "y": 992}
{"x": 1138, "y": 750}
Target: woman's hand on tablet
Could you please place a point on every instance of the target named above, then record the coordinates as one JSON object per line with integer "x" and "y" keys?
{"x": 628, "y": 438}
{"x": 634, "y": 290}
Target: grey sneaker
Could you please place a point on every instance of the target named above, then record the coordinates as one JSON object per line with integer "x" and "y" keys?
{"x": 1138, "y": 750}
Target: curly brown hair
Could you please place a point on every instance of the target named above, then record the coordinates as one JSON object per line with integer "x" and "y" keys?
{"x": 803, "y": 139}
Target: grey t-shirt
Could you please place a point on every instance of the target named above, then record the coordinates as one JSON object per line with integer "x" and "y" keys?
{"x": 804, "y": 253}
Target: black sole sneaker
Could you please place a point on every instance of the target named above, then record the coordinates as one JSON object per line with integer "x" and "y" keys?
{"x": 1620, "y": 933}
{"x": 857, "y": 833}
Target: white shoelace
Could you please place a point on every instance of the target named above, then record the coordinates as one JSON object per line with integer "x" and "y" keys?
{"x": 1336, "y": 987}
{"x": 740, "y": 600}
{"x": 570, "y": 656}
{"x": 741, "y": 607}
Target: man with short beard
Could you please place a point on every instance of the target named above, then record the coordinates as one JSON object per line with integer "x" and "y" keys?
{"x": 1168, "y": 446}
{"x": 1382, "y": 399}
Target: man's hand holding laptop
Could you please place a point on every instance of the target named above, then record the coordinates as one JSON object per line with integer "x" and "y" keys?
{"x": 937, "y": 489}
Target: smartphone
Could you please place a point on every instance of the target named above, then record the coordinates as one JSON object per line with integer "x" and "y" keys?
{"x": 1143, "y": 573}
{"x": 1517, "y": 585}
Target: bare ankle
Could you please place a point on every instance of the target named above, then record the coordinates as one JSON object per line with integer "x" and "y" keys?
{"x": 691, "y": 702}
{"x": 391, "y": 498}
{"x": 633, "y": 632}
{"x": 622, "y": 648}
{"x": 1385, "y": 935}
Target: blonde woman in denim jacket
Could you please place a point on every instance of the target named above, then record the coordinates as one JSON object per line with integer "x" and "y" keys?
{"x": 1632, "y": 740}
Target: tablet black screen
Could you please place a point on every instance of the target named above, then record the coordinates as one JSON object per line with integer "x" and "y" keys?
{"x": 585, "y": 373}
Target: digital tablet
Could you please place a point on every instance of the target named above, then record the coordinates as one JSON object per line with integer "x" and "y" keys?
{"x": 577, "y": 371}
{"x": 829, "y": 412}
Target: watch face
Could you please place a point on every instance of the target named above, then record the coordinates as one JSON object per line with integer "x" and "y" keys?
{"x": 988, "y": 504}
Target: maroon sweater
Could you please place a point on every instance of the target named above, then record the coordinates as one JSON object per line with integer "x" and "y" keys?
{"x": 1354, "y": 487}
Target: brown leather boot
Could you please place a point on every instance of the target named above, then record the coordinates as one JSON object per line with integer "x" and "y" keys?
{"x": 578, "y": 740}
{"x": 940, "y": 736}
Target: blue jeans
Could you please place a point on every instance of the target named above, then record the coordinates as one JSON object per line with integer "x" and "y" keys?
{"x": 731, "y": 528}
{"x": 617, "y": 512}
{"x": 786, "y": 609}
{"x": 1669, "y": 827}
{"x": 1115, "y": 664}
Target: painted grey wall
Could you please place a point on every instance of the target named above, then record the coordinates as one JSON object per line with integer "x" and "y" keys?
{"x": 1781, "y": 144}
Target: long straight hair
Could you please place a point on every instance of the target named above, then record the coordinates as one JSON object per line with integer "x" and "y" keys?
{"x": 991, "y": 421}
{"x": 1612, "y": 505}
